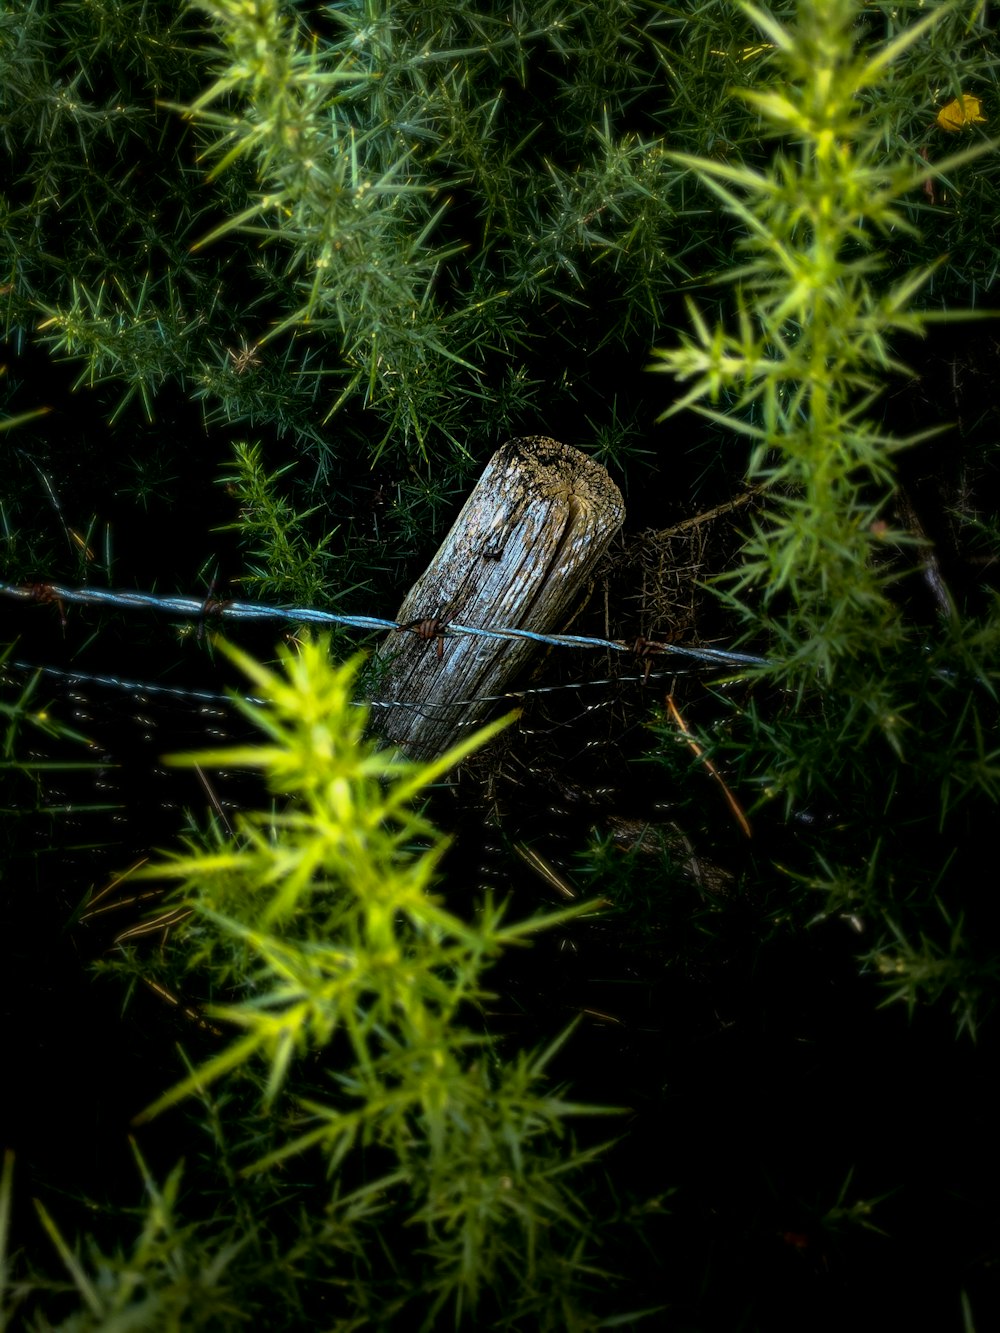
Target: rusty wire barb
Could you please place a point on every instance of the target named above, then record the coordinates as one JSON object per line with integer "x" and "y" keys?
{"x": 429, "y": 628}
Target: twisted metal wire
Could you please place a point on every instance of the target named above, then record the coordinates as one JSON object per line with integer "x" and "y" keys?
{"x": 142, "y": 687}
{"x": 190, "y": 606}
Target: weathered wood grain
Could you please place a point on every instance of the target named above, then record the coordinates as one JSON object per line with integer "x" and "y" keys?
{"x": 516, "y": 557}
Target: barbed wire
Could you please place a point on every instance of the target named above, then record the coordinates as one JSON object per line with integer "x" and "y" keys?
{"x": 187, "y": 694}
{"x": 58, "y": 594}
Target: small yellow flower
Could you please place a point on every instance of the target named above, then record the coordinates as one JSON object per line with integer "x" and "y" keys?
{"x": 960, "y": 113}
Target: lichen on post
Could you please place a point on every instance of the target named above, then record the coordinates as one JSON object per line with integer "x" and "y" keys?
{"x": 516, "y": 557}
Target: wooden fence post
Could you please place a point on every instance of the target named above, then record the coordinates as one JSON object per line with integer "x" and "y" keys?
{"x": 516, "y": 557}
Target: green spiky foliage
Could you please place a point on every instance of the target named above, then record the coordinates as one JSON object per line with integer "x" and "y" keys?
{"x": 359, "y": 233}
{"x": 887, "y": 718}
{"x": 364, "y": 242}
{"x": 286, "y": 566}
{"x": 353, "y": 997}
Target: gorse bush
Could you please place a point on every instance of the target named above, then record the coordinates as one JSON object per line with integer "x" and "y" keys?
{"x": 283, "y": 565}
{"x": 409, "y": 207}
{"x": 354, "y": 993}
{"x": 380, "y": 238}
{"x": 888, "y": 719}
{"x": 813, "y": 344}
